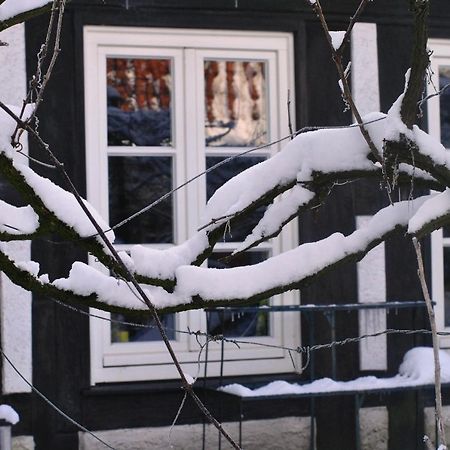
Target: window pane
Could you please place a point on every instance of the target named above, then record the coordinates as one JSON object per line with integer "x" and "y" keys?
{"x": 121, "y": 332}
{"x": 139, "y": 101}
{"x": 135, "y": 182}
{"x": 235, "y": 324}
{"x": 446, "y": 231}
{"x": 444, "y": 99}
{"x": 221, "y": 175}
{"x": 235, "y": 103}
{"x": 447, "y": 285}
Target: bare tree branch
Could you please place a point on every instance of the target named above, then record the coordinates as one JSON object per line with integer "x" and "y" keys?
{"x": 353, "y": 20}
{"x": 419, "y": 63}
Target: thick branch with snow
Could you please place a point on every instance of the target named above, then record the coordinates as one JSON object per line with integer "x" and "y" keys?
{"x": 296, "y": 179}
{"x": 301, "y": 175}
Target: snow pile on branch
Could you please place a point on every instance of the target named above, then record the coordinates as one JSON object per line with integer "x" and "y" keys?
{"x": 15, "y": 220}
{"x": 163, "y": 263}
{"x": 8, "y": 414}
{"x": 432, "y": 209}
{"x": 85, "y": 280}
{"x": 12, "y": 8}
{"x": 417, "y": 369}
{"x": 57, "y": 200}
{"x": 325, "y": 151}
{"x": 243, "y": 282}
{"x": 292, "y": 266}
{"x": 277, "y": 214}
{"x": 320, "y": 151}
{"x": 64, "y": 205}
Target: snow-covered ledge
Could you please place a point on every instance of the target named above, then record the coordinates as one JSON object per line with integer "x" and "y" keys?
{"x": 417, "y": 369}
{"x": 15, "y": 303}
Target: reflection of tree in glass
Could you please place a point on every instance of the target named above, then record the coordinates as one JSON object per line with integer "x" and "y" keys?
{"x": 135, "y": 182}
{"x": 235, "y": 103}
{"x": 140, "y": 83}
{"x": 447, "y": 285}
{"x": 234, "y": 324}
{"x": 139, "y": 100}
{"x": 444, "y": 99}
{"x": 444, "y": 103}
{"x": 128, "y": 333}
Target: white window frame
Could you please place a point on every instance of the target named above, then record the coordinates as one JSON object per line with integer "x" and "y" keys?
{"x": 440, "y": 56}
{"x": 150, "y": 361}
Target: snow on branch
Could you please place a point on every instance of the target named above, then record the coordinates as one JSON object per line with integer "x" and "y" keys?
{"x": 294, "y": 268}
{"x": 315, "y": 160}
{"x": 307, "y": 160}
{"x": 86, "y": 280}
{"x": 13, "y": 12}
{"x": 433, "y": 214}
{"x": 63, "y": 204}
{"x": 324, "y": 150}
{"x": 17, "y": 223}
{"x": 276, "y": 216}
{"x": 199, "y": 287}
{"x": 305, "y": 171}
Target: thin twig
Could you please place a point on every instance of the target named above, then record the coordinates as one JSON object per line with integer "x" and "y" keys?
{"x": 428, "y": 97}
{"x": 37, "y": 161}
{"x": 60, "y": 6}
{"x": 437, "y": 365}
{"x": 175, "y": 420}
{"x": 337, "y": 58}
{"x": 291, "y": 129}
{"x": 351, "y": 24}
{"x": 39, "y": 83}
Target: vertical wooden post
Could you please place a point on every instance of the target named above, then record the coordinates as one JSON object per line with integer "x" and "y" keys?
{"x": 5, "y": 435}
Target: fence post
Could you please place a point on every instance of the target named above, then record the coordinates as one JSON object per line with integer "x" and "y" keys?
{"x": 5, "y": 435}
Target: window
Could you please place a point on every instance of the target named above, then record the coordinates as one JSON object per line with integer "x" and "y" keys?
{"x": 162, "y": 106}
{"x": 439, "y": 126}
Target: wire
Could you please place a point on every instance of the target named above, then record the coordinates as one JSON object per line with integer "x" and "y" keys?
{"x": 307, "y": 349}
{"x": 52, "y": 405}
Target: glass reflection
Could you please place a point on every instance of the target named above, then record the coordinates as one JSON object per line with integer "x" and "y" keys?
{"x": 139, "y": 101}
{"x": 235, "y": 324}
{"x": 446, "y": 231}
{"x": 235, "y": 103}
{"x": 220, "y": 176}
{"x": 444, "y": 99}
{"x": 122, "y": 332}
{"x": 447, "y": 285}
{"x": 135, "y": 182}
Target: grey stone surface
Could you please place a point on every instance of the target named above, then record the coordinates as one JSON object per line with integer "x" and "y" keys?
{"x": 289, "y": 433}
{"x": 23, "y": 443}
{"x": 374, "y": 428}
